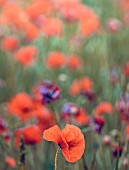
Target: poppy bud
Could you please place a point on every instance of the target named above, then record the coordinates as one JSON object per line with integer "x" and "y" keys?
{"x": 63, "y": 77}
{"x": 125, "y": 163}
{"x": 7, "y": 136}
{"x": 117, "y": 151}
{"x": 113, "y": 25}
{"x": 107, "y": 140}
{"x": 98, "y": 123}
{"x": 90, "y": 95}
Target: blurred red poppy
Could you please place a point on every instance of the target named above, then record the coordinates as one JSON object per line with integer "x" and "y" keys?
{"x": 74, "y": 89}
{"x": 33, "y": 34}
{"x": 126, "y": 69}
{"x": 31, "y": 134}
{"x": 21, "y": 106}
{"x": 10, "y": 161}
{"x": 89, "y": 22}
{"x": 10, "y": 43}
{"x": 103, "y": 107}
{"x": 39, "y": 7}
{"x": 68, "y": 9}
{"x": 26, "y": 55}
{"x": 124, "y": 4}
{"x": 71, "y": 113}
{"x": 84, "y": 84}
{"x": 14, "y": 15}
{"x": 82, "y": 118}
{"x": 44, "y": 116}
{"x": 74, "y": 62}
{"x": 52, "y": 26}
{"x": 56, "y": 59}
{"x": 2, "y": 2}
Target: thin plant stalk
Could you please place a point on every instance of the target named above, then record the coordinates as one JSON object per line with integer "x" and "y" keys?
{"x": 118, "y": 158}
{"x": 22, "y": 154}
{"x": 56, "y": 159}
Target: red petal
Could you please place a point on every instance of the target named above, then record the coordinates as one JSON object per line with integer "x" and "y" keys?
{"x": 52, "y": 134}
{"x": 75, "y": 141}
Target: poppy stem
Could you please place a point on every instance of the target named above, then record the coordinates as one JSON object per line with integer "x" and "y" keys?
{"x": 56, "y": 158}
{"x": 86, "y": 130}
{"x": 55, "y": 114}
{"x": 22, "y": 154}
{"x": 118, "y": 157}
{"x": 84, "y": 163}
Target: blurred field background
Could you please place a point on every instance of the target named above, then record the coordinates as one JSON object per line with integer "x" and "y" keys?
{"x": 37, "y": 40}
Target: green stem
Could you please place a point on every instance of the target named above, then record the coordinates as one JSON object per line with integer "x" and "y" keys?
{"x": 85, "y": 130}
{"x": 56, "y": 158}
{"x": 103, "y": 158}
{"x": 118, "y": 158}
{"x": 56, "y": 114}
{"x": 84, "y": 163}
{"x": 22, "y": 154}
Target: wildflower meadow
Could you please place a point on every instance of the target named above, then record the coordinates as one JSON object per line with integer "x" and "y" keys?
{"x": 64, "y": 84}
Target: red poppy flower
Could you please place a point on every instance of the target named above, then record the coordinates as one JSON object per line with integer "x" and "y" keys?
{"x": 10, "y": 43}
{"x": 103, "y": 107}
{"x": 69, "y": 9}
{"x": 14, "y": 15}
{"x": 52, "y": 26}
{"x": 39, "y": 7}
{"x": 74, "y": 62}
{"x": 21, "y": 106}
{"x": 56, "y": 59}
{"x": 2, "y": 2}
{"x": 74, "y": 89}
{"x": 84, "y": 84}
{"x": 10, "y": 161}
{"x": 124, "y": 5}
{"x": 26, "y": 55}
{"x": 70, "y": 140}
{"x": 82, "y": 118}
{"x": 89, "y": 22}
{"x": 31, "y": 134}
{"x": 33, "y": 34}
{"x": 44, "y": 116}
{"x": 126, "y": 69}
{"x": 71, "y": 113}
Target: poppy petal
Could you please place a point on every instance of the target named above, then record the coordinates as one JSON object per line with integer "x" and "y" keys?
{"x": 75, "y": 141}
{"x": 52, "y": 134}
